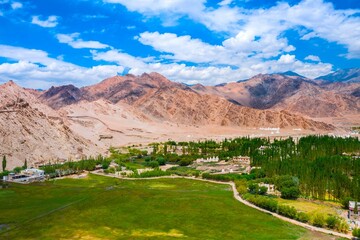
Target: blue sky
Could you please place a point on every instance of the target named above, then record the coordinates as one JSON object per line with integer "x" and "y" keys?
{"x": 45, "y": 43}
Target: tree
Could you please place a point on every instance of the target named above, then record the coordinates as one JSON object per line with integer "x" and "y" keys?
{"x": 356, "y": 210}
{"x": 25, "y": 164}
{"x": 4, "y": 163}
{"x": 290, "y": 193}
{"x": 161, "y": 160}
{"x": 345, "y": 202}
{"x": 262, "y": 190}
{"x": 253, "y": 188}
{"x": 154, "y": 164}
{"x": 356, "y": 232}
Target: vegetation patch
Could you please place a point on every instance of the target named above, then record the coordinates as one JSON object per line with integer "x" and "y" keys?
{"x": 87, "y": 209}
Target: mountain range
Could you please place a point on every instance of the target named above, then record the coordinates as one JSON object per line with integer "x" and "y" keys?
{"x": 66, "y": 122}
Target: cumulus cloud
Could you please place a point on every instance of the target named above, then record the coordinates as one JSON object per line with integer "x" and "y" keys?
{"x": 262, "y": 27}
{"x": 50, "y": 22}
{"x": 313, "y": 58}
{"x": 16, "y": 5}
{"x": 34, "y": 68}
{"x": 210, "y": 75}
{"x": 74, "y": 41}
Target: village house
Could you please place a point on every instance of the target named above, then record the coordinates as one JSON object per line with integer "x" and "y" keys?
{"x": 207, "y": 160}
{"x": 26, "y": 176}
{"x": 270, "y": 187}
{"x": 244, "y": 160}
{"x": 354, "y": 209}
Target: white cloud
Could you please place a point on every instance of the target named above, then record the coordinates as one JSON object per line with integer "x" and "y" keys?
{"x": 184, "y": 48}
{"x": 223, "y": 18}
{"x": 287, "y": 59}
{"x": 74, "y": 41}
{"x": 16, "y": 5}
{"x": 313, "y": 58}
{"x": 225, "y": 2}
{"x": 50, "y": 22}
{"x": 256, "y": 28}
{"x": 34, "y": 68}
{"x": 210, "y": 75}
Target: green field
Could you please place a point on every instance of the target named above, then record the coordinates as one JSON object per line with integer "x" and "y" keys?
{"x": 106, "y": 208}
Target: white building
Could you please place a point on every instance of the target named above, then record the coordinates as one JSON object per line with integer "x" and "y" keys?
{"x": 208, "y": 160}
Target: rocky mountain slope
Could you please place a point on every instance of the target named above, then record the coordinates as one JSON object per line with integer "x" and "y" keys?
{"x": 350, "y": 75}
{"x": 293, "y": 93}
{"x": 164, "y": 100}
{"x": 33, "y": 131}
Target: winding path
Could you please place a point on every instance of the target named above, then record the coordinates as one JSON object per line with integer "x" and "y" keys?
{"x": 238, "y": 198}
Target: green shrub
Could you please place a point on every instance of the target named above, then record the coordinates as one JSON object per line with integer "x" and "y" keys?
{"x": 290, "y": 192}
{"x": 153, "y": 164}
{"x": 241, "y": 186}
{"x": 287, "y": 211}
{"x": 318, "y": 220}
{"x": 332, "y": 221}
{"x": 356, "y": 232}
{"x": 154, "y": 173}
{"x": 302, "y": 217}
{"x": 345, "y": 202}
{"x": 263, "y": 202}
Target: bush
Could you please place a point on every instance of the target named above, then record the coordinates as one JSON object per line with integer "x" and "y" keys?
{"x": 154, "y": 173}
{"x": 262, "y": 190}
{"x": 290, "y": 192}
{"x": 356, "y": 232}
{"x": 331, "y": 221}
{"x": 263, "y": 202}
{"x": 105, "y": 164}
{"x": 184, "y": 171}
{"x": 227, "y": 177}
{"x": 345, "y": 202}
{"x": 287, "y": 211}
{"x": 109, "y": 170}
{"x": 241, "y": 186}
{"x": 302, "y": 217}
{"x": 161, "y": 160}
{"x": 318, "y": 220}
{"x": 153, "y": 164}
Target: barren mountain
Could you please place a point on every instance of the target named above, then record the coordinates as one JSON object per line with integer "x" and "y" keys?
{"x": 33, "y": 131}
{"x": 292, "y": 93}
{"x": 350, "y": 75}
{"x": 164, "y": 100}
{"x": 57, "y": 97}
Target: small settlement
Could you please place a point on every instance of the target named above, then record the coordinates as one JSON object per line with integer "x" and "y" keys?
{"x": 238, "y": 164}
{"x": 26, "y": 176}
{"x": 354, "y": 213}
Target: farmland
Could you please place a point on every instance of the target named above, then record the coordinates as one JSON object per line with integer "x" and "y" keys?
{"x": 99, "y": 207}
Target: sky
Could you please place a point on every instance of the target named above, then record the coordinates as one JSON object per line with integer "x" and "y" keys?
{"x": 50, "y": 43}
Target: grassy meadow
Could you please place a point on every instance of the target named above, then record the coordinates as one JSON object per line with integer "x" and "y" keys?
{"x": 99, "y": 207}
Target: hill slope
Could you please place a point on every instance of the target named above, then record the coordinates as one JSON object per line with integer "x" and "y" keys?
{"x": 292, "y": 93}
{"x": 164, "y": 100}
{"x": 343, "y": 75}
{"x": 33, "y": 131}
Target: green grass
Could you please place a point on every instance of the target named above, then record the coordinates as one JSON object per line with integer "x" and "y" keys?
{"x": 106, "y": 208}
{"x": 312, "y": 207}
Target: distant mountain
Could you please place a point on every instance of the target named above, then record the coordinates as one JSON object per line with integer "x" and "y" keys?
{"x": 290, "y": 73}
{"x": 350, "y": 75}
{"x": 57, "y": 97}
{"x": 164, "y": 100}
{"x": 292, "y": 93}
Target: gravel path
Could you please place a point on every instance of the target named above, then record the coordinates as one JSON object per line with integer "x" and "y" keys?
{"x": 237, "y": 197}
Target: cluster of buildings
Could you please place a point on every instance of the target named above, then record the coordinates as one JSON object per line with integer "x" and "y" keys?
{"x": 207, "y": 160}
{"x": 354, "y": 213}
{"x": 26, "y": 176}
{"x": 238, "y": 164}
